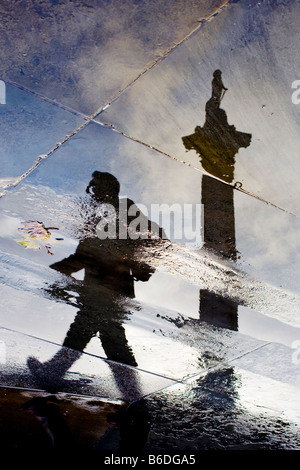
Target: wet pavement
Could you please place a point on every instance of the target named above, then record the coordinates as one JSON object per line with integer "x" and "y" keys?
{"x": 149, "y": 212}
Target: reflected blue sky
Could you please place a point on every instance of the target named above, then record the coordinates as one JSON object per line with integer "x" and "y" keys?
{"x": 29, "y": 128}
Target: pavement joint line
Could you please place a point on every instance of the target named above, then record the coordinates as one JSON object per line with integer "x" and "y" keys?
{"x": 267, "y": 343}
{"x": 91, "y": 119}
{"x": 163, "y": 55}
{"x": 15, "y": 387}
{"x": 83, "y": 125}
{"x": 44, "y": 157}
{"x": 186, "y": 380}
{"x": 46, "y": 99}
{"x": 108, "y": 361}
{"x": 176, "y": 381}
{"x": 224, "y": 363}
{"x": 155, "y": 392}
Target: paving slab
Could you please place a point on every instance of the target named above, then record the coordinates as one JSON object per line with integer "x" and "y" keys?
{"x": 194, "y": 333}
{"x": 254, "y": 45}
{"x": 31, "y": 363}
{"x": 84, "y": 54}
{"x": 156, "y": 331}
{"x": 276, "y": 361}
{"x": 200, "y": 305}
{"x": 154, "y": 335}
{"x": 261, "y": 240}
{"x": 228, "y": 408}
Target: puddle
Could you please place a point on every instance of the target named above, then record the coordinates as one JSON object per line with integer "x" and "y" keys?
{"x": 123, "y": 270}
{"x": 258, "y": 73}
{"x": 135, "y": 296}
{"x": 67, "y": 52}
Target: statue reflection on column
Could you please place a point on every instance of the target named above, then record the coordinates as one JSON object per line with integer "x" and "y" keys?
{"x": 217, "y": 143}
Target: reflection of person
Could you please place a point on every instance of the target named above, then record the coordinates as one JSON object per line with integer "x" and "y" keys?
{"x": 217, "y": 143}
{"x": 111, "y": 267}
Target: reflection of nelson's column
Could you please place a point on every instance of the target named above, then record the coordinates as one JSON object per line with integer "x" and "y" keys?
{"x": 217, "y": 143}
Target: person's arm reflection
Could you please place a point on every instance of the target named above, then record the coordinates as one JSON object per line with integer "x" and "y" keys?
{"x": 72, "y": 264}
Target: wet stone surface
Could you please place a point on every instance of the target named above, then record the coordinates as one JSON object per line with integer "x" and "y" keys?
{"x": 149, "y": 253}
{"x": 82, "y": 54}
{"x": 36, "y": 364}
{"x": 84, "y": 287}
{"x": 227, "y": 409}
{"x": 262, "y": 240}
{"x": 254, "y": 45}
